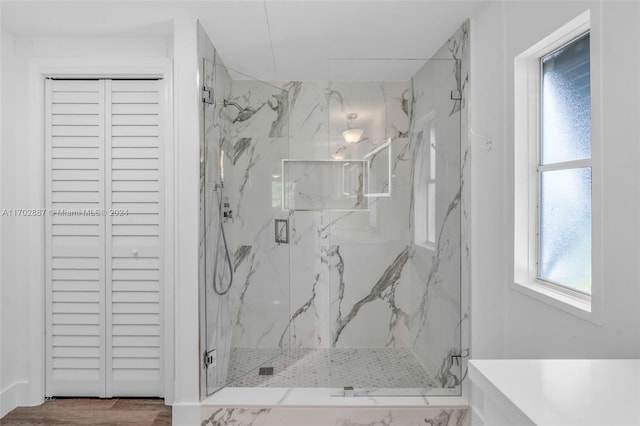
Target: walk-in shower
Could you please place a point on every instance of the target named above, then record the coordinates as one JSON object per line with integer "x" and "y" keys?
{"x": 366, "y": 295}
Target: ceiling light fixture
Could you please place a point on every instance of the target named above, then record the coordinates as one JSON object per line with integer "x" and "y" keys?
{"x": 352, "y": 135}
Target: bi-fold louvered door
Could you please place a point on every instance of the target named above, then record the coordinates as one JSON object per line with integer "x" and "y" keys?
{"x": 104, "y": 238}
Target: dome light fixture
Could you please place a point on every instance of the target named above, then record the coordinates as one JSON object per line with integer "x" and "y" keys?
{"x": 352, "y": 135}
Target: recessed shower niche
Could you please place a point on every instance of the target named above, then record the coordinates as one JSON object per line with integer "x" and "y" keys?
{"x": 337, "y": 185}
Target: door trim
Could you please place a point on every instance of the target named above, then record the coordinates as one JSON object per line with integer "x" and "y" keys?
{"x": 78, "y": 68}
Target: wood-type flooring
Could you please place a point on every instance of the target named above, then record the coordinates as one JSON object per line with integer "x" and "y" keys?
{"x": 92, "y": 411}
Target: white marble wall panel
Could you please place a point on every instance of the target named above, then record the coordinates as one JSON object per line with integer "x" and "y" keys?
{"x": 308, "y": 323}
{"x": 257, "y": 144}
{"x": 277, "y": 416}
{"x": 309, "y": 277}
{"x": 397, "y": 97}
{"x": 308, "y": 120}
{"x": 366, "y": 293}
{"x": 365, "y": 309}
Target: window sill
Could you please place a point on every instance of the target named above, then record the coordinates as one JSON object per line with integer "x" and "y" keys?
{"x": 426, "y": 246}
{"x": 561, "y": 300}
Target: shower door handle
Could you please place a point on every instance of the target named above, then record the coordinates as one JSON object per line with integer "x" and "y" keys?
{"x": 282, "y": 231}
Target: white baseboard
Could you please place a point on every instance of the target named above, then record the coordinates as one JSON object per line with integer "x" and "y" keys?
{"x": 13, "y": 396}
{"x": 186, "y": 414}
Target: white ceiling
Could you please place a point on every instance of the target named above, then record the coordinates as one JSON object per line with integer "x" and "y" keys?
{"x": 272, "y": 40}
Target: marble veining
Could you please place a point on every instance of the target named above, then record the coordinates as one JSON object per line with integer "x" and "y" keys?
{"x": 253, "y": 265}
{"x": 442, "y": 241}
{"x": 239, "y": 148}
{"x": 280, "y": 104}
{"x": 301, "y": 310}
{"x": 337, "y": 416}
{"x": 338, "y": 266}
{"x": 450, "y": 417}
{"x": 251, "y": 163}
{"x": 240, "y": 256}
{"x": 388, "y": 280}
{"x": 229, "y": 416}
{"x": 457, "y": 46}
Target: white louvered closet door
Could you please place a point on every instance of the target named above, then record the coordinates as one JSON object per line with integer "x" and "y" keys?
{"x": 104, "y": 238}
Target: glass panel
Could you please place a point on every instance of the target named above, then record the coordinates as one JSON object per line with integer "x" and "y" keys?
{"x": 379, "y": 171}
{"x": 349, "y": 300}
{"x": 565, "y": 228}
{"x": 395, "y": 317}
{"x": 324, "y": 185}
{"x": 211, "y": 251}
{"x": 217, "y": 250}
{"x": 431, "y": 214}
{"x": 243, "y": 270}
{"x": 432, "y": 153}
{"x": 566, "y": 103}
{"x": 256, "y": 144}
{"x": 424, "y": 181}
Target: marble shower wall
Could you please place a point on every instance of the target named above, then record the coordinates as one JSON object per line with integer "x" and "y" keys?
{"x": 259, "y": 140}
{"x": 335, "y": 284}
{"x": 216, "y": 310}
{"x": 437, "y": 273}
{"x": 356, "y": 278}
{"x": 367, "y": 251}
{"x": 330, "y": 416}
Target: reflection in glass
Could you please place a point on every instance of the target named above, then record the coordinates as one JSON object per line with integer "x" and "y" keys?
{"x": 379, "y": 170}
{"x": 424, "y": 182}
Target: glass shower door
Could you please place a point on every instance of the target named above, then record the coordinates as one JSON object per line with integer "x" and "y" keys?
{"x": 216, "y": 244}
{"x": 250, "y": 323}
{"x": 396, "y": 291}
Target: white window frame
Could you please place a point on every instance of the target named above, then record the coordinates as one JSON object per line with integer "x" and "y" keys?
{"x": 527, "y": 125}
{"x": 424, "y": 209}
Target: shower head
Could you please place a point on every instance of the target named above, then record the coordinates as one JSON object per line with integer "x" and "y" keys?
{"x": 243, "y": 114}
{"x": 229, "y": 103}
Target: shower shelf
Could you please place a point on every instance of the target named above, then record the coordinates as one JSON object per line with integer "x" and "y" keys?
{"x": 314, "y": 185}
{"x": 336, "y": 185}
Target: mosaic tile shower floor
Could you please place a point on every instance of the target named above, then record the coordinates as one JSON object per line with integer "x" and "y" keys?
{"x": 336, "y": 368}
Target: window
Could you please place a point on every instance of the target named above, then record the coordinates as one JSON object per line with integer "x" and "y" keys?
{"x": 424, "y": 183}
{"x": 555, "y": 174}
{"x": 564, "y": 167}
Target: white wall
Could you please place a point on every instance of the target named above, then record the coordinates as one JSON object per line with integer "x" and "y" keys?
{"x": 186, "y": 408}
{"x": 505, "y": 322}
{"x": 22, "y": 186}
{"x": 21, "y": 180}
{"x": 13, "y": 365}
